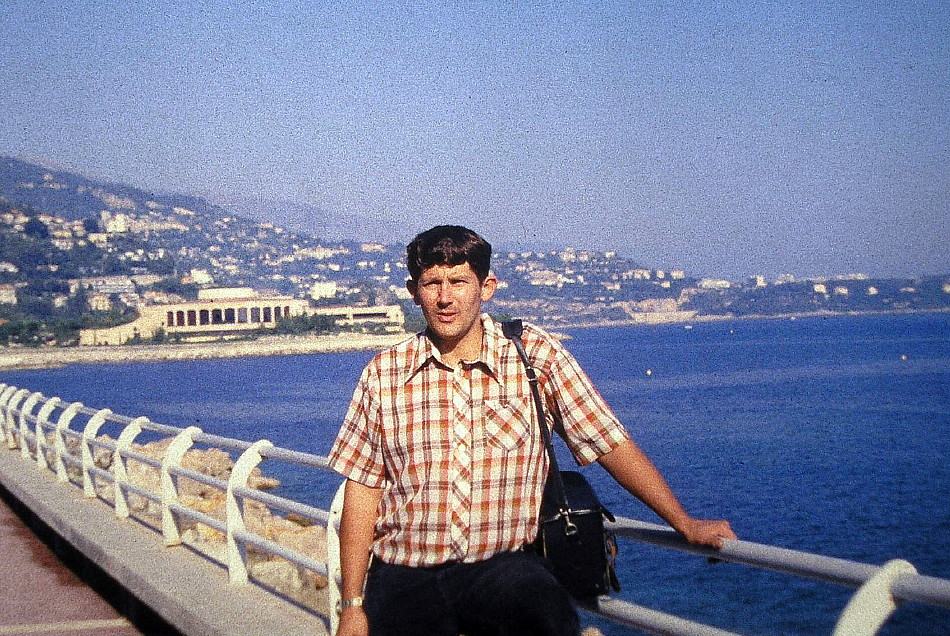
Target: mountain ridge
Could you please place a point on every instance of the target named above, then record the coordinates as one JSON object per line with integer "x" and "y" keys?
{"x": 74, "y": 197}
{"x": 317, "y": 221}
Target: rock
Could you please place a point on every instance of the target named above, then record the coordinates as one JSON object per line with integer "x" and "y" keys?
{"x": 281, "y": 575}
{"x": 289, "y": 580}
{"x": 102, "y": 457}
{"x": 294, "y": 533}
{"x": 311, "y": 541}
{"x": 286, "y": 576}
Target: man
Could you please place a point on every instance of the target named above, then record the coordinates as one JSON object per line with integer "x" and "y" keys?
{"x": 445, "y": 465}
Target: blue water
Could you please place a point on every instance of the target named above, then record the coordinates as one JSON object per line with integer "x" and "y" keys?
{"x": 827, "y": 435}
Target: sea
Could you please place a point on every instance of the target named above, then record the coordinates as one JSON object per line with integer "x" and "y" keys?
{"x": 824, "y": 434}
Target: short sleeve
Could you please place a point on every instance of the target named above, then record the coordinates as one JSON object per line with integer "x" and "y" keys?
{"x": 591, "y": 429}
{"x": 356, "y": 452}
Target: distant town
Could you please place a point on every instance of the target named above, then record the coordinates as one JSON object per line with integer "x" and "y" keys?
{"x": 84, "y": 262}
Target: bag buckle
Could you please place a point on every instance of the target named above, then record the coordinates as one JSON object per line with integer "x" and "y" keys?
{"x": 570, "y": 529}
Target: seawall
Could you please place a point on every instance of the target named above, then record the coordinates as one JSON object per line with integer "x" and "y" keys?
{"x": 40, "y": 358}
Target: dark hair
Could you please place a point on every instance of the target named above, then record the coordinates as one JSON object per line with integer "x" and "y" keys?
{"x": 448, "y": 245}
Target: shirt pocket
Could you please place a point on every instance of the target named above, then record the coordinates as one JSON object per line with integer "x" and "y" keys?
{"x": 508, "y": 423}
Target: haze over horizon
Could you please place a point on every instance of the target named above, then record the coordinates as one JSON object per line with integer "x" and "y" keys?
{"x": 726, "y": 139}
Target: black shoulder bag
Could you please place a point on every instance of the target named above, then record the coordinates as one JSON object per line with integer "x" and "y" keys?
{"x": 571, "y": 535}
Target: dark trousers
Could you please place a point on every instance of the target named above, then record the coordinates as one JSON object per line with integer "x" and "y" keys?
{"x": 513, "y": 593}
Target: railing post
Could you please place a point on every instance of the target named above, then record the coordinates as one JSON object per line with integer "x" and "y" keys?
{"x": 5, "y": 398}
{"x": 873, "y": 603}
{"x": 169, "y": 484}
{"x": 334, "y": 571}
{"x": 10, "y": 419}
{"x": 119, "y": 473}
{"x": 25, "y": 425}
{"x": 43, "y": 418}
{"x": 234, "y": 515}
{"x": 59, "y": 439}
{"x": 89, "y": 433}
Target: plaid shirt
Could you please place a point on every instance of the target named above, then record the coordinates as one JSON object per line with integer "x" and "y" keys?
{"x": 458, "y": 452}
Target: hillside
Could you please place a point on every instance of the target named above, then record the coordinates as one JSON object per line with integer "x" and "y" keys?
{"x": 74, "y": 197}
{"x": 76, "y": 252}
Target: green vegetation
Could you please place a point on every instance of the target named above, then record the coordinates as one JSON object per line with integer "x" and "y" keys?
{"x": 305, "y": 325}
{"x": 36, "y": 229}
{"x": 171, "y": 285}
{"x": 414, "y": 322}
{"x": 30, "y": 332}
{"x": 105, "y": 319}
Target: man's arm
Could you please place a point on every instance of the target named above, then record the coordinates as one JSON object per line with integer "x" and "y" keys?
{"x": 634, "y": 471}
{"x": 360, "y": 511}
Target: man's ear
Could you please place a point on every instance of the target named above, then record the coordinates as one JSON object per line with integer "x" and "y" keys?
{"x": 412, "y": 286}
{"x": 489, "y": 285}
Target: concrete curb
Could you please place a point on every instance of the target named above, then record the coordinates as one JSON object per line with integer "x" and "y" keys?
{"x": 47, "y": 357}
{"x": 189, "y": 592}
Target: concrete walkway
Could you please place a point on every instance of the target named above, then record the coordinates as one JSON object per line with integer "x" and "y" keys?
{"x": 187, "y": 592}
{"x": 40, "y": 595}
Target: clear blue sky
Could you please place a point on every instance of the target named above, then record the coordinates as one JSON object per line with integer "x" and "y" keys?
{"x": 726, "y": 138}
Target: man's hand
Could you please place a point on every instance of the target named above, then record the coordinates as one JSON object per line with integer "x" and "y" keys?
{"x": 706, "y": 532}
{"x": 353, "y": 622}
{"x": 634, "y": 471}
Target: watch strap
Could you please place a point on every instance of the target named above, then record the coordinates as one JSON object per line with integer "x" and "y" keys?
{"x": 356, "y": 601}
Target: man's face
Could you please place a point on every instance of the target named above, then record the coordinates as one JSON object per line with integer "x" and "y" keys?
{"x": 451, "y": 298}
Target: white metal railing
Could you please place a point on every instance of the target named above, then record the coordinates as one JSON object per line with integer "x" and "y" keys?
{"x": 879, "y": 588}
{"x": 43, "y": 438}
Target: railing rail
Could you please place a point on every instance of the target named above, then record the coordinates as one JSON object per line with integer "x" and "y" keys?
{"x": 910, "y": 587}
{"x": 28, "y": 425}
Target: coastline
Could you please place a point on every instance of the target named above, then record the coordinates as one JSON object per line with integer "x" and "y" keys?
{"x": 21, "y": 358}
{"x": 699, "y": 318}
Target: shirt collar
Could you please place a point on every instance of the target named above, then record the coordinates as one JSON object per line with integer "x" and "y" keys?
{"x": 492, "y": 342}
{"x": 424, "y": 351}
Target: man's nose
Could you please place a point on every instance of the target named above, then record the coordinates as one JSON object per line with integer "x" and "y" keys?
{"x": 444, "y": 295}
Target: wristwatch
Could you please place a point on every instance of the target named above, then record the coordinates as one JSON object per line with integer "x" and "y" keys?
{"x": 356, "y": 601}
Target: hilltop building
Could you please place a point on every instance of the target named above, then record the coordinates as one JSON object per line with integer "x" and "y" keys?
{"x": 112, "y": 284}
{"x": 714, "y": 283}
{"x": 323, "y": 289}
{"x": 8, "y": 295}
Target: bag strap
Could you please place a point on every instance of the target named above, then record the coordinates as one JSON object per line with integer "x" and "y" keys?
{"x": 513, "y": 330}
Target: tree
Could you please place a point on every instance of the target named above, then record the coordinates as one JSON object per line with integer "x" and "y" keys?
{"x": 91, "y": 225}
{"x": 306, "y": 324}
{"x": 36, "y": 228}
{"x": 174, "y": 286}
{"x": 414, "y": 320}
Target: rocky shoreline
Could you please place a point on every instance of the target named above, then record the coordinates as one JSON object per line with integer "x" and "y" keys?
{"x": 297, "y": 583}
